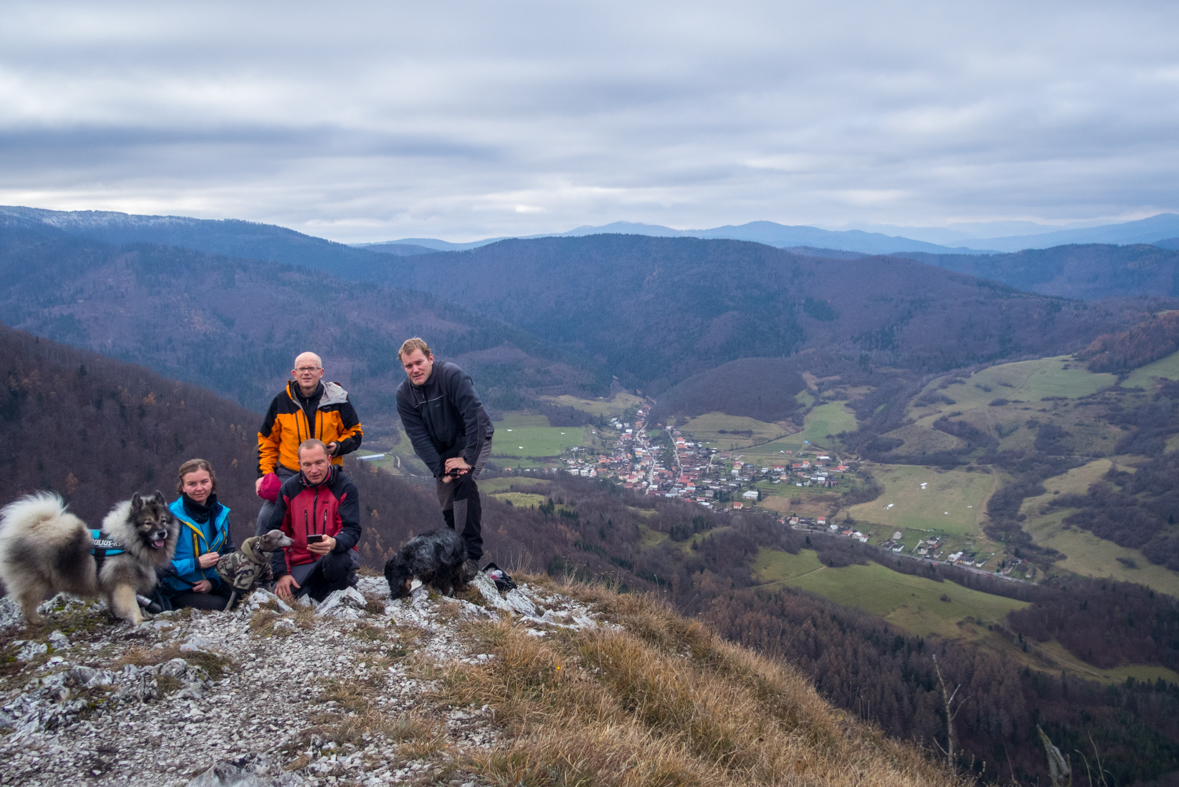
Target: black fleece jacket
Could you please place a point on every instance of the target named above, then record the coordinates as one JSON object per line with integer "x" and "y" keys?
{"x": 444, "y": 417}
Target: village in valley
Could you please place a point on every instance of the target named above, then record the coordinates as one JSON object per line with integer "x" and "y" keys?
{"x": 657, "y": 460}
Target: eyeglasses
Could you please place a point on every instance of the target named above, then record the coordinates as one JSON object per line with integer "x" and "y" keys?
{"x": 305, "y": 369}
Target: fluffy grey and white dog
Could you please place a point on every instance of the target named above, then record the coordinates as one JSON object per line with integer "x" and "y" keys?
{"x": 250, "y": 565}
{"x": 44, "y": 549}
{"x": 437, "y": 558}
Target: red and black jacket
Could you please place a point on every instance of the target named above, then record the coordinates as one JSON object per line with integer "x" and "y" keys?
{"x": 332, "y": 509}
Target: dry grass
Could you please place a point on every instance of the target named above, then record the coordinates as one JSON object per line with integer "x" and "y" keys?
{"x": 212, "y": 663}
{"x": 662, "y": 701}
{"x": 356, "y": 718}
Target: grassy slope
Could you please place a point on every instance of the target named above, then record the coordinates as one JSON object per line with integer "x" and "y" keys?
{"x": 1143, "y": 377}
{"x": 610, "y": 407}
{"x": 1025, "y": 385}
{"x": 524, "y": 440}
{"x": 1087, "y": 554}
{"x": 909, "y": 602}
{"x": 914, "y": 604}
{"x": 706, "y": 429}
{"x": 829, "y": 418}
{"x": 964, "y": 495}
{"x": 656, "y": 699}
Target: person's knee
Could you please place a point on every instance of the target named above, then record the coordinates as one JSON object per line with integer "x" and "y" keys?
{"x": 336, "y": 567}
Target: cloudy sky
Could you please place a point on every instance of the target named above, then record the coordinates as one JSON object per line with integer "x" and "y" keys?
{"x": 463, "y": 120}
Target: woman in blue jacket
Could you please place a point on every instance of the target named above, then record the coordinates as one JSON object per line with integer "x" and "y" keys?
{"x": 204, "y": 538}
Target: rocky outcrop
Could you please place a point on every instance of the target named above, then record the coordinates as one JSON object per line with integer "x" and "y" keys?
{"x": 270, "y": 694}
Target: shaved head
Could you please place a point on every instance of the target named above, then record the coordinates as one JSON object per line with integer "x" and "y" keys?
{"x": 309, "y": 359}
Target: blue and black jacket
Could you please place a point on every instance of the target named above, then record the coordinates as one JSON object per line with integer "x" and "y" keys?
{"x": 196, "y": 539}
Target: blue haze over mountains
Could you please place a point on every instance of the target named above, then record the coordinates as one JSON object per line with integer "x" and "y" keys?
{"x": 1162, "y": 228}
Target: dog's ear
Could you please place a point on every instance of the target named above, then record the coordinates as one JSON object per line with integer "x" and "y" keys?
{"x": 158, "y": 497}
{"x": 136, "y": 502}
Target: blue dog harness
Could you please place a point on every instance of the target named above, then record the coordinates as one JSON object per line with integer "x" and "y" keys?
{"x": 101, "y": 546}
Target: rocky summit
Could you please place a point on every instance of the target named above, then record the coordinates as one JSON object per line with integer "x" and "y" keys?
{"x": 343, "y": 692}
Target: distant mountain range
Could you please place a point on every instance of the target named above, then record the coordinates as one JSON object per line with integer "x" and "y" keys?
{"x": 1163, "y": 228}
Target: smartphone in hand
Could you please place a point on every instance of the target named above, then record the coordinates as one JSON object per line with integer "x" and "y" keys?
{"x": 314, "y": 538}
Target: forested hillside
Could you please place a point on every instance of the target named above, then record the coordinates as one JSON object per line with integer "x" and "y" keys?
{"x": 658, "y": 310}
{"x": 235, "y": 326}
{"x": 1089, "y": 272}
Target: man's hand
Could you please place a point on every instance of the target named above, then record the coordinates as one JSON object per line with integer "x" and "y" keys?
{"x": 332, "y": 448}
{"x": 208, "y": 561}
{"x": 258, "y": 487}
{"x": 204, "y": 586}
{"x": 322, "y": 547}
{"x": 283, "y": 588}
{"x": 457, "y": 463}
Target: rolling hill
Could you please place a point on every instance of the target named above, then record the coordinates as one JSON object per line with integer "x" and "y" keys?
{"x": 234, "y": 326}
{"x": 1089, "y": 272}
{"x": 656, "y": 311}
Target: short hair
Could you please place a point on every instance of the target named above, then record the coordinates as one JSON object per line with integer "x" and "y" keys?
{"x": 416, "y": 343}
{"x": 311, "y": 442}
{"x": 318, "y": 360}
{"x": 191, "y": 466}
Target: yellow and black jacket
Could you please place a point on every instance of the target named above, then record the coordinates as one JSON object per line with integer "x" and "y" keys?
{"x": 287, "y": 425}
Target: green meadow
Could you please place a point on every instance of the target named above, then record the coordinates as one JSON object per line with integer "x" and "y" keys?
{"x": 1029, "y": 381}
{"x": 830, "y": 418}
{"x": 612, "y": 407}
{"x": 1007, "y": 401}
{"x": 525, "y": 440}
{"x": 724, "y": 432}
{"x": 1166, "y": 368}
{"x": 503, "y": 484}
{"x": 953, "y": 501}
{"x": 916, "y": 604}
{"x": 1085, "y": 553}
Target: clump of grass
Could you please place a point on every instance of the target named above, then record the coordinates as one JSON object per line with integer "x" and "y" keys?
{"x": 663, "y": 701}
{"x": 368, "y": 633}
{"x": 263, "y": 620}
{"x": 215, "y": 665}
{"x": 168, "y": 683}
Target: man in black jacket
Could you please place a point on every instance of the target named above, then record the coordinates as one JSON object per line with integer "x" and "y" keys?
{"x": 451, "y": 432}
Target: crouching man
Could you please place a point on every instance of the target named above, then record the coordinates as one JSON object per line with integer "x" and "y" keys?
{"x": 320, "y": 511}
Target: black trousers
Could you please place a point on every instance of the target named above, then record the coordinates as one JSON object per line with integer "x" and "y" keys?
{"x": 461, "y": 507}
{"x": 333, "y": 571}
{"x": 465, "y": 513}
{"x": 216, "y": 599}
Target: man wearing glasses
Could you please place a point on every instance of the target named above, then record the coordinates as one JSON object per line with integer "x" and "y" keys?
{"x": 307, "y": 408}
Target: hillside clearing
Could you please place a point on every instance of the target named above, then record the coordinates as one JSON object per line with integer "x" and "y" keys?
{"x": 909, "y": 602}
{"x": 611, "y": 407}
{"x": 526, "y": 440}
{"x": 726, "y": 432}
{"x": 1143, "y": 377}
{"x": 906, "y": 503}
{"x": 1085, "y": 553}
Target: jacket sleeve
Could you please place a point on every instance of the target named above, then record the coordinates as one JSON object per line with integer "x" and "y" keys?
{"x": 415, "y": 429}
{"x": 184, "y": 566}
{"x": 476, "y": 424}
{"x": 269, "y": 439}
{"x": 278, "y": 558}
{"x": 349, "y": 512}
{"x": 351, "y": 433}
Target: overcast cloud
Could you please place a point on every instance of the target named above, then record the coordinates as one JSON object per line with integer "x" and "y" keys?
{"x": 463, "y": 120}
